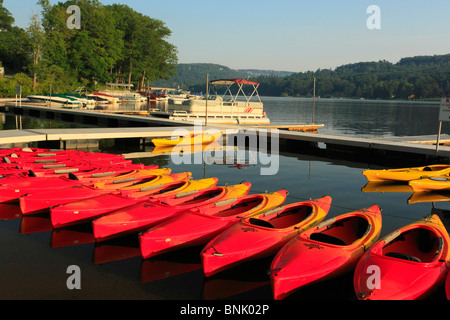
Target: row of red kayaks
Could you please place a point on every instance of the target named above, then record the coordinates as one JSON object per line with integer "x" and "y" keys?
{"x": 170, "y": 211}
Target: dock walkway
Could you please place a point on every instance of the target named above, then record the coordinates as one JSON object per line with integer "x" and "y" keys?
{"x": 334, "y": 142}
{"x": 117, "y": 126}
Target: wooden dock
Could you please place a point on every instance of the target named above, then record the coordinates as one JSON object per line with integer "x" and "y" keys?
{"x": 304, "y": 127}
{"x": 399, "y": 145}
{"x": 297, "y": 140}
{"x": 89, "y": 118}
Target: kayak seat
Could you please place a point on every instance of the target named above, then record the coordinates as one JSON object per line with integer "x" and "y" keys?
{"x": 403, "y": 256}
{"x": 291, "y": 217}
{"x": 239, "y": 208}
{"x": 417, "y": 244}
{"x": 261, "y": 223}
{"x": 326, "y": 238}
{"x": 343, "y": 232}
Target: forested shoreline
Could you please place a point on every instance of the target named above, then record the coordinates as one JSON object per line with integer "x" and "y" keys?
{"x": 421, "y": 77}
{"x": 117, "y": 44}
{"x": 412, "y": 78}
{"x": 114, "y": 43}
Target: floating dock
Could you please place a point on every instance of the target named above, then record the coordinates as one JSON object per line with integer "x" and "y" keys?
{"x": 88, "y": 118}
{"x": 294, "y": 138}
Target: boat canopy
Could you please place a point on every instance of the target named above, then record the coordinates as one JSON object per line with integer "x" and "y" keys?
{"x": 240, "y": 83}
{"x": 232, "y": 81}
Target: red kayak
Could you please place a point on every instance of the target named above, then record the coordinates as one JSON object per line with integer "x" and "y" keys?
{"x": 35, "y": 160}
{"x": 408, "y": 264}
{"x": 147, "y": 214}
{"x": 30, "y": 162}
{"x": 330, "y": 249}
{"x": 111, "y": 172}
{"x": 447, "y": 285}
{"x": 55, "y": 169}
{"x": 22, "y": 151}
{"x": 113, "y": 201}
{"x": 76, "y": 172}
{"x": 12, "y": 192}
{"x": 21, "y": 186}
{"x": 92, "y": 186}
{"x": 82, "y": 211}
{"x": 254, "y": 238}
{"x": 199, "y": 226}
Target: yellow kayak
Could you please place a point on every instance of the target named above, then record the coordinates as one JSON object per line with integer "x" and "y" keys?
{"x": 407, "y": 174}
{"x": 431, "y": 184}
{"x": 428, "y": 196}
{"x": 386, "y": 186}
{"x": 193, "y": 138}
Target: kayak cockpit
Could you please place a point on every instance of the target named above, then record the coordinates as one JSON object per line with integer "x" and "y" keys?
{"x": 281, "y": 219}
{"x": 169, "y": 187}
{"x": 240, "y": 207}
{"x": 417, "y": 244}
{"x": 210, "y": 194}
{"x": 343, "y": 232}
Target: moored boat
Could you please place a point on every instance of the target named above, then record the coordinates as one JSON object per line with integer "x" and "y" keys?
{"x": 327, "y": 250}
{"x": 255, "y": 238}
{"x": 407, "y": 264}
{"x": 103, "y": 97}
{"x": 199, "y": 226}
{"x": 56, "y": 100}
{"x": 407, "y": 174}
{"x": 233, "y": 106}
{"x": 147, "y": 214}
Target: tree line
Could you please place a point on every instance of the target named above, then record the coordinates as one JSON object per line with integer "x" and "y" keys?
{"x": 421, "y": 77}
{"x": 113, "y": 43}
{"x": 117, "y": 44}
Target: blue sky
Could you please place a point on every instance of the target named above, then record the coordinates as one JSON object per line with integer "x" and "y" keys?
{"x": 290, "y": 35}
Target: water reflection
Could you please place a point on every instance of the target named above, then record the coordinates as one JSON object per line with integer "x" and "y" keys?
{"x": 35, "y": 223}
{"x": 170, "y": 265}
{"x": 358, "y": 117}
{"x": 72, "y": 236}
{"x": 240, "y": 281}
{"x": 10, "y": 211}
{"x": 117, "y": 263}
{"x": 116, "y": 249}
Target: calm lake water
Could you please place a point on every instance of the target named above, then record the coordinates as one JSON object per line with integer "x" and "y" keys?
{"x": 34, "y": 258}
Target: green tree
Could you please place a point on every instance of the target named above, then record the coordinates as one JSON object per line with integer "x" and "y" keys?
{"x": 146, "y": 52}
{"x": 14, "y": 43}
{"x": 36, "y": 37}
{"x": 6, "y": 19}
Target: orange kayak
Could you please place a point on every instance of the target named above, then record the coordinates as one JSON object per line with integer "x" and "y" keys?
{"x": 407, "y": 264}
{"x": 147, "y": 214}
{"x": 331, "y": 248}
{"x": 256, "y": 238}
{"x": 199, "y": 226}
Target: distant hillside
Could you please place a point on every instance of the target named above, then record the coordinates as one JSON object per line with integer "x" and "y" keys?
{"x": 190, "y": 75}
{"x": 420, "y": 77}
